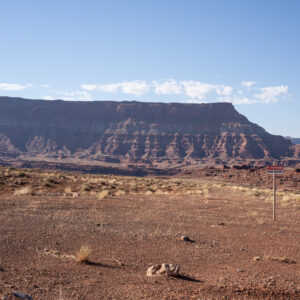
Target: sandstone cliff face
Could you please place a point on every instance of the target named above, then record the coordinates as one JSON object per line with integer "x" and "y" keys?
{"x": 126, "y": 132}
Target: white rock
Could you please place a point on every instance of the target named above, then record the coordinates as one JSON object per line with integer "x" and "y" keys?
{"x": 163, "y": 269}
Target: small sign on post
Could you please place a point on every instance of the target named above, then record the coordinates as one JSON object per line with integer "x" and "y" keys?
{"x": 274, "y": 170}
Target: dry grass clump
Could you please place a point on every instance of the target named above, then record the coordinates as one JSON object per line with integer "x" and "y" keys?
{"x": 284, "y": 259}
{"x": 51, "y": 180}
{"x": 103, "y": 194}
{"x": 289, "y": 199}
{"x": 68, "y": 190}
{"x": 119, "y": 193}
{"x": 21, "y": 174}
{"x": 83, "y": 254}
{"x": 256, "y": 192}
{"x": 24, "y": 191}
{"x": 86, "y": 187}
{"x": 148, "y": 193}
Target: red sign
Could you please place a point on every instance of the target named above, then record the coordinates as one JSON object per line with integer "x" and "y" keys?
{"x": 275, "y": 169}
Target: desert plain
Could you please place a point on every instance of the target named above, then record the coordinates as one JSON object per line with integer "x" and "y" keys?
{"x": 124, "y": 225}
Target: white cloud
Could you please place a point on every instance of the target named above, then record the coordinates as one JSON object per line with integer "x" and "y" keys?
{"x": 137, "y": 87}
{"x": 268, "y": 95}
{"x": 46, "y": 86}
{"x": 224, "y": 90}
{"x": 200, "y": 90}
{"x": 271, "y": 94}
{"x": 73, "y": 95}
{"x": 48, "y": 98}
{"x": 237, "y": 100}
{"x": 248, "y": 84}
{"x": 194, "y": 101}
{"x": 89, "y": 87}
{"x": 195, "y": 91}
{"x": 14, "y": 86}
{"x": 170, "y": 86}
{"x": 109, "y": 88}
{"x": 78, "y": 95}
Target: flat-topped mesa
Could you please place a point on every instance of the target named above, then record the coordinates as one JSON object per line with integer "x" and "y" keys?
{"x": 133, "y": 132}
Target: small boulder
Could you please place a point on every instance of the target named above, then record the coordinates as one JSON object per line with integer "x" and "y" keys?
{"x": 163, "y": 269}
{"x": 257, "y": 258}
{"x": 185, "y": 238}
{"x": 17, "y": 296}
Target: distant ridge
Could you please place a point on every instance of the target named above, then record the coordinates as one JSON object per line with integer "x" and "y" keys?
{"x": 156, "y": 134}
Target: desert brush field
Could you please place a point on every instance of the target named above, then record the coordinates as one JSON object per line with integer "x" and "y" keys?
{"x": 87, "y": 236}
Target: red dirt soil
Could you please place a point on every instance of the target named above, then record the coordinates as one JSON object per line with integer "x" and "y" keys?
{"x": 128, "y": 233}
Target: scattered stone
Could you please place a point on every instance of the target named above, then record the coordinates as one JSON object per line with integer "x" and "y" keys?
{"x": 257, "y": 258}
{"x": 221, "y": 224}
{"x": 240, "y": 270}
{"x": 17, "y": 296}
{"x": 186, "y": 239}
{"x": 163, "y": 269}
{"x": 1, "y": 270}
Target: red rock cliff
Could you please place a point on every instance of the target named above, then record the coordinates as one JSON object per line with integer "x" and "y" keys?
{"x": 133, "y": 132}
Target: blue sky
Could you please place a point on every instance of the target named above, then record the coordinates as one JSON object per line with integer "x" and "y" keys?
{"x": 244, "y": 52}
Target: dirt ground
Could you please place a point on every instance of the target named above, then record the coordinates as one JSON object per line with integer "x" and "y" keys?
{"x": 237, "y": 251}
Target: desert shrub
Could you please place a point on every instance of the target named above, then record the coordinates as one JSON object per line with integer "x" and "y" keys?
{"x": 103, "y": 194}
{"x": 68, "y": 190}
{"x": 21, "y": 174}
{"x": 51, "y": 180}
{"x": 86, "y": 188}
{"x": 83, "y": 254}
{"x": 24, "y": 191}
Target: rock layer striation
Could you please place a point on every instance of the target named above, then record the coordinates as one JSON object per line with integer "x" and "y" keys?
{"x": 134, "y": 132}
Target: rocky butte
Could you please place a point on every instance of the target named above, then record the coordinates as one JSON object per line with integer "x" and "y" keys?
{"x": 125, "y": 133}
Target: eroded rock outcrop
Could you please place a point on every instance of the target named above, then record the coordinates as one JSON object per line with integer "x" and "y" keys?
{"x": 133, "y": 132}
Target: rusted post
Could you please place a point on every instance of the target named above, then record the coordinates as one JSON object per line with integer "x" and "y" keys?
{"x": 274, "y": 193}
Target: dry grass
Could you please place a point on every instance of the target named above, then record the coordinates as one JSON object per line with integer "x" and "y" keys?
{"x": 21, "y": 174}
{"x": 86, "y": 188}
{"x": 68, "y": 190}
{"x": 284, "y": 259}
{"x": 83, "y": 254}
{"x": 24, "y": 191}
{"x": 103, "y": 194}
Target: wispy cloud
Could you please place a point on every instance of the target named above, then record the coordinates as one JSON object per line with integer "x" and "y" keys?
{"x": 271, "y": 94}
{"x": 14, "y": 86}
{"x": 48, "y": 98}
{"x": 200, "y": 90}
{"x": 71, "y": 95}
{"x": 137, "y": 87}
{"x": 248, "y": 84}
{"x": 195, "y": 91}
{"x": 89, "y": 87}
{"x": 170, "y": 86}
